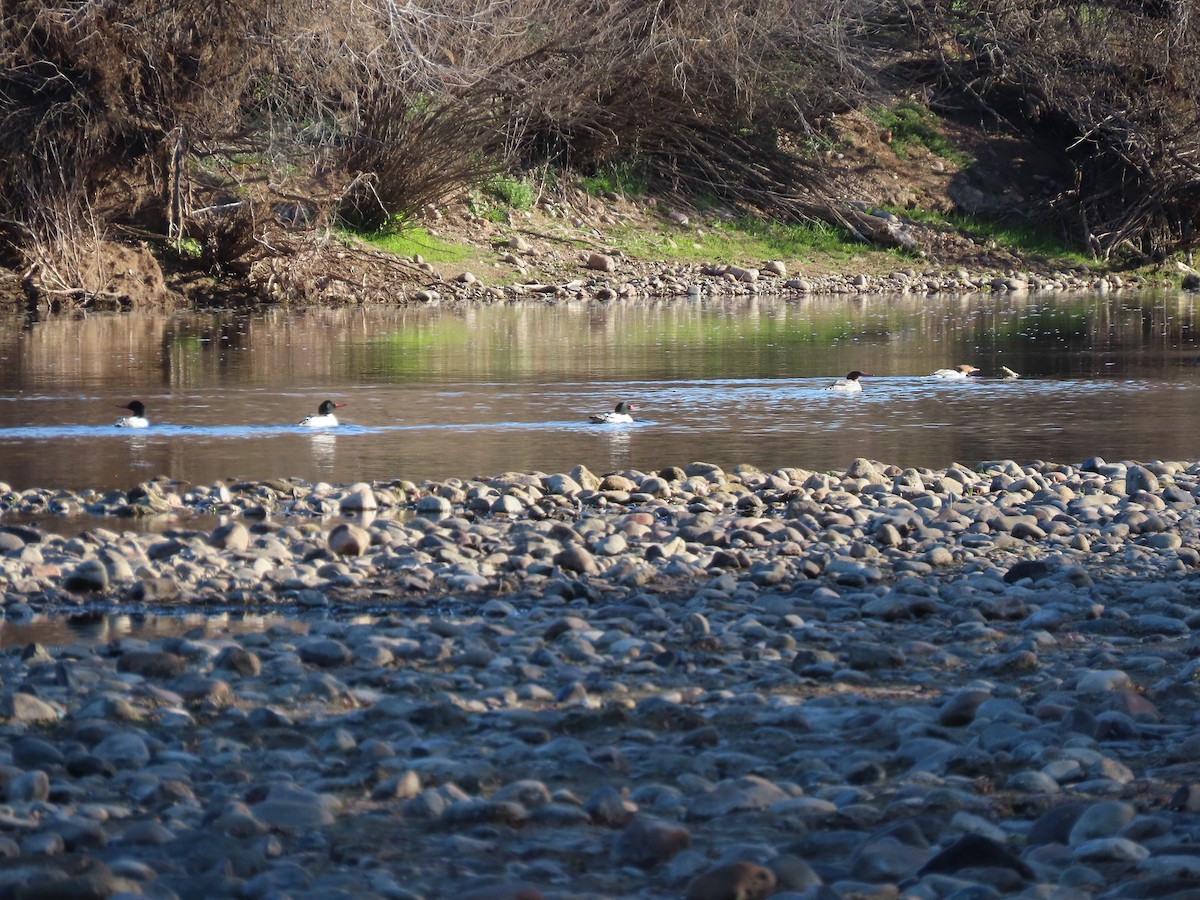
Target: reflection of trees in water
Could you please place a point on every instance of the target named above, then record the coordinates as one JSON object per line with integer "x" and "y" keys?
{"x": 525, "y": 341}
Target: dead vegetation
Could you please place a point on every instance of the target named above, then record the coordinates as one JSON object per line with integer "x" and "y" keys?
{"x": 1113, "y": 84}
{"x": 210, "y": 129}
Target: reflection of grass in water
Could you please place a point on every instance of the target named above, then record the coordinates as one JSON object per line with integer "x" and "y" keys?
{"x": 700, "y": 344}
{"x": 1040, "y": 326}
{"x": 410, "y": 350}
{"x": 769, "y": 329}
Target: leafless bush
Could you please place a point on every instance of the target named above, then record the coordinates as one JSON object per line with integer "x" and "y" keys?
{"x": 409, "y": 152}
{"x": 1115, "y": 82}
{"x": 208, "y": 121}
{"x": 701, "y": 93}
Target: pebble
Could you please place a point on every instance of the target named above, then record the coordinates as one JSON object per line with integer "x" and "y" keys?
{"x": 698, "y": 682}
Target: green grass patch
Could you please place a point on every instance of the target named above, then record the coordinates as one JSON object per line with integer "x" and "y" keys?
{"x": 416, "y": 241}
{"x": 1021, "y": 238}
{"x": 626, "y": 178}
{"x": 187, "y": 248}
{"x": 741, "y": 240}
{"x": 914, "y": 125}
{"x": 516, "y": 193}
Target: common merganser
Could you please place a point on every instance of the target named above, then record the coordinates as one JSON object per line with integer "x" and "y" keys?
{"x": 957, "y": 372}
{"x": 619, "y": 416}
{"x": 324, "y": 417}
{"x": 138, "y": 419}
{"x": 850, "y": 383}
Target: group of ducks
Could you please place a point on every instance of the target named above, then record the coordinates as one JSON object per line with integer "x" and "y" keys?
{"x": 851, "y": 383}
{"x": 620, "y": 415}
{"x": 323, "y": 419}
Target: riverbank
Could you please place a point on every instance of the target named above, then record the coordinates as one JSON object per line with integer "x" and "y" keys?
{"x": 689, "y": 682}
{"x": 619, "y": 249}
{"x": 572, "y": 246}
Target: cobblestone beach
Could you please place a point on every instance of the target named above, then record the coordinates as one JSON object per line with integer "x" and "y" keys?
{"x": 966, "y": 683}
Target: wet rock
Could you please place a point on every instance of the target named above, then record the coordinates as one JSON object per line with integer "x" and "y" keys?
{"x": 435, "y": 506}
{"x": 89, "y": 576}
{"x": 735, "y": 881}
{"x": 972, "y": 851}
{"x": 647, "y": 842}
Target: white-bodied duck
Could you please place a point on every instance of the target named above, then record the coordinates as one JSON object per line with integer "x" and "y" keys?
{"x": 324, "y": 417}
{"x": 849, "y": 384}
{"x": 619, "y": 416}
{"x": 962, "y": 371}
{"x": 138, "y": 419}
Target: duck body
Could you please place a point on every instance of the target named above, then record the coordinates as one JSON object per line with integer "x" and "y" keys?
{"x": 849, "y": 385}
{"x": 138, "y": 419}
{"x": 619, "y": 416}
{"x": 324, "y": 417}
{"x": 962, "y": 371}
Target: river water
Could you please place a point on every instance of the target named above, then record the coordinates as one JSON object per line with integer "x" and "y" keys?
{"x": 432, "y": 394}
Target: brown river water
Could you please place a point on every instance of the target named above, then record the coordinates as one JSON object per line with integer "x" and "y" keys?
{"x": 438, "y": 393}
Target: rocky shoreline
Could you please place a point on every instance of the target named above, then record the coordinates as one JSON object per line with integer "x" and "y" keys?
{"x": 968, "y": 683}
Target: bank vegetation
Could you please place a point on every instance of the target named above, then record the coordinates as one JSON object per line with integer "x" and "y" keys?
{"x": 208, "y": 134}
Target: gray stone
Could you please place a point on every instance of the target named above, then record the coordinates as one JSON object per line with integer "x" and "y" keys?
{"x": 349, "y": 540}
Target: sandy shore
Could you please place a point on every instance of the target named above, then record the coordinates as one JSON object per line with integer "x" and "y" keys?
{"x": 689, "y": 683}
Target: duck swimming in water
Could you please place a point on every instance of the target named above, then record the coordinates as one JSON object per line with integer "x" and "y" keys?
{"x": 324, "y": 417}
{"x": 619, "y": 416}
{"x": 957, "y": 372}
{"x": 138, "y": 419}
{"x": 849, "y": 384}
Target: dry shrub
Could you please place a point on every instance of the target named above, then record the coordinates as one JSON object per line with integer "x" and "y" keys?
{"x": 1114, "y": 83}
{"x": 123, "y": 117}
{"x": 212, "y": 120}
{"x": 409, "y": 153}
{"x": 304, "y": 271}
{"x": 703, "y": 94}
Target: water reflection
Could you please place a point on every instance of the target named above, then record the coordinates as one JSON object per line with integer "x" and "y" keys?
{"x": 324, "y": 450}
{"x": 432, "y": 394}
{"x": 105, "y": 627}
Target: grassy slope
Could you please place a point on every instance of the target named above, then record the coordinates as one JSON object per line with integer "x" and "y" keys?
{"x": 909, "y": 173}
